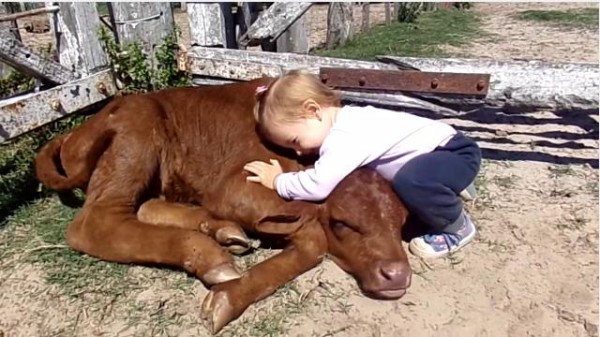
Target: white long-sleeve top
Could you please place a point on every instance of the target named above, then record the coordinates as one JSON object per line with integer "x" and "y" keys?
{"x": 382, "y": 139}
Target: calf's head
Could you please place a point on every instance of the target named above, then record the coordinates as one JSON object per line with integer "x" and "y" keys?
{"x": 362, "y": 221}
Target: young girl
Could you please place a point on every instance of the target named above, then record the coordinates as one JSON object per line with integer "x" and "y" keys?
{"x": 428, "y": 163}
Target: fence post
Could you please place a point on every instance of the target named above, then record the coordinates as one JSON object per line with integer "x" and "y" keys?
{"x": 294, "y": 39}
{"x": 207, "y": 24}
{"x": 388, "y": 17}
{"x": 145, "y": 22}
{"x": 365, "y": 16}
{"x": 76, "y": 26}
{"x": 339, "y": 24}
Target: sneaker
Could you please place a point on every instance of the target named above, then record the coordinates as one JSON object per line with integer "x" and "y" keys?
{"x": 439, "y": 245}
{"x": 469, "y": 193}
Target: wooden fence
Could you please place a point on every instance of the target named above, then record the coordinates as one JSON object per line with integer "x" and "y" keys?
{"x": 79, "y": 75}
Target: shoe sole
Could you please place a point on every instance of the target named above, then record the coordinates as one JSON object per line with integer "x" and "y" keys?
{"x": 426, "y": 254}
{"x": 469, "y": 193}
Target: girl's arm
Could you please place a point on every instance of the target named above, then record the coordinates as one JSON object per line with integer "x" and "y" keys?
{"x": 339, "y": 157}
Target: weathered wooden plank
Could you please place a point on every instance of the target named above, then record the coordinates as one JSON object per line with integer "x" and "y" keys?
{"x": 31, "y": 12}
{"x": 27, "y": 60}
{"x": 79, "y": 48}
{"x": 244, "y": 65}
{"x": 340, "y": 29}
{"x": 294, "y": 39}
{"x": 9, "y": 28}
{"x": 286, "y": 60}
{"x": 274, "y": 21}
{"x": 523, "y": 85}
{"x": 145, "y": 22}
{"x": 397, "y": 101}
{"x": 207, "y": 24}
{"x": 199, "y": 80}
{"x": 393, "y": 101}
{"x": 24, "y": 113}
{"x": 234, "y": 70}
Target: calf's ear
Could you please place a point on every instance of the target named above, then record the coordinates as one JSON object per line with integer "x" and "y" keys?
{"x": 286, "y": 220}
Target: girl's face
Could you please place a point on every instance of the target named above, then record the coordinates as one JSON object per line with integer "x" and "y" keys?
{"x": 305, "y": 135}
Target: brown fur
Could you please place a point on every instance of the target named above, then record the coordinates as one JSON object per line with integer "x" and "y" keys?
{"x": 188, "y": 146}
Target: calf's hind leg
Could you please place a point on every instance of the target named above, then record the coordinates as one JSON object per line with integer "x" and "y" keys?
{"x": 164, "y": 213}
{"x": 107, "y": 226}
{"x": 111, "y": 234}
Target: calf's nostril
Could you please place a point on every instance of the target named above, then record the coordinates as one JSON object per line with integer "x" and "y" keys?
{"x": 396, "y": 272}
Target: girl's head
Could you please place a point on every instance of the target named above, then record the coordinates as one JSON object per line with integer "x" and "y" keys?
{"x": 296, "y": 111}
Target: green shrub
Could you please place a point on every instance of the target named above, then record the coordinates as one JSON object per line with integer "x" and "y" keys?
{"x": 133, "y": 67}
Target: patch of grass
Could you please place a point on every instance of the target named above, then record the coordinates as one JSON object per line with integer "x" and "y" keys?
{"x": 583, "y": 18}
{"x": 285, "y": 303}
{"x": 505, "y": 182}
{"x": 162, "y": 318}
{"x": 575, "y": 221}
{"x": 35, "y": 234}
{"x": 484, "y": 199}
{"x": 423, "y": 38}
{"x": 498, "y": 246}
{"x": 102, "y": 8}
{"x": 557, "y": 171}
{"x": 592, "y": 187}
{"x": 18, "y": 183}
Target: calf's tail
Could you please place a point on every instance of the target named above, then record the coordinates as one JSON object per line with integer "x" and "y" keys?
{"x": 68, "y": 161}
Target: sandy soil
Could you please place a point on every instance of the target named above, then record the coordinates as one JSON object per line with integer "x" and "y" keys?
{"x": 532, "y": 270}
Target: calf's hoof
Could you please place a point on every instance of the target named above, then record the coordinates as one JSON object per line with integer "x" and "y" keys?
{"x": 223, "y": 304}
{"x": 221, "y": 273}
{"x": 234, "y": 240}
{"x": 217, "y": 310}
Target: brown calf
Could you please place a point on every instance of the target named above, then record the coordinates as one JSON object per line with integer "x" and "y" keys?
{"x": 188, "y": 146}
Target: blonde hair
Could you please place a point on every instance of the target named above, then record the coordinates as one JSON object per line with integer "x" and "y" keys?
{"x": 284, "y": 98}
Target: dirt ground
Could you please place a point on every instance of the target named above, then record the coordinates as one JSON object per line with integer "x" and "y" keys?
{"x": 531, "y": 271}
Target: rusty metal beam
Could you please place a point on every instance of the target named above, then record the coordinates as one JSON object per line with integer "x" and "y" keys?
{"x": 406, "y": 80}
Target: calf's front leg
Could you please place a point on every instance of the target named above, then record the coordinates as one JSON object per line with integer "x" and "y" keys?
{"x": 164, "y": 213}
{"x": 227, "y": 301}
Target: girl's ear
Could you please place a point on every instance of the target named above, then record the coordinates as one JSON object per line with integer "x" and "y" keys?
{"x": 312, "y": 109}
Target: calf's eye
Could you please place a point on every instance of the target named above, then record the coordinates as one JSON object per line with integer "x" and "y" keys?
{"x": 340, "y": 227}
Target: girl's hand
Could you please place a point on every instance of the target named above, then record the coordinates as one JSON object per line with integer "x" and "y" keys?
{"x": 265, "y": 173}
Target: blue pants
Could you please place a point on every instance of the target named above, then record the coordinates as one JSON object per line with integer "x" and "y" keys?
{"x": 430, "y": 184}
